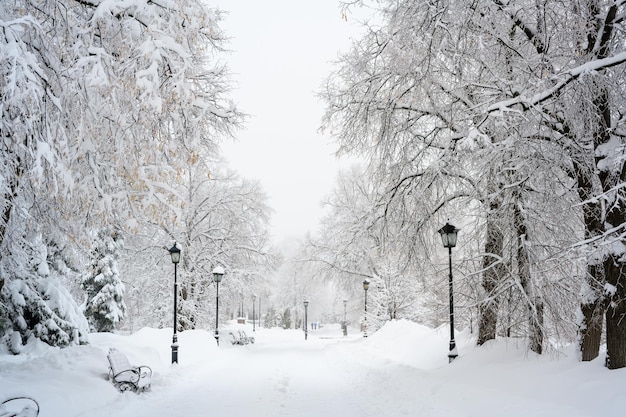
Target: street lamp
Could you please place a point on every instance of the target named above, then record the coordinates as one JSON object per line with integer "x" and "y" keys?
{"x": 366, "y": 286}
{"x": 175, "y": 254}
{"x": 448, "y": 237}
{"x": 345, "y": 322}
{"x": 253, "y": 312}
{"x": 306, "y": 326}
{"x": 242, "y": 310}
{"x": 218, "y": 273}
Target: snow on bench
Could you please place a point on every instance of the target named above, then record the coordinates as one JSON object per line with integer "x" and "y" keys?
{"x": 127, "y": 377}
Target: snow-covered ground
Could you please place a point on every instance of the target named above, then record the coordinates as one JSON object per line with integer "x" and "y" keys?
{"x": 401, "y": 370}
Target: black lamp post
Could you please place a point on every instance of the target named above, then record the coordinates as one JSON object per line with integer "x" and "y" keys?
{"x": 253, "y": 312}
{"x": 366, "y": 286}
{"x": 175, "y": 254}
{"x": 345, "y": 321}
{"x": 218, "y": 273}
{"x": 448, "y": 237}
{"x": 306, "y": 326}
{"x": 242, "y": 310}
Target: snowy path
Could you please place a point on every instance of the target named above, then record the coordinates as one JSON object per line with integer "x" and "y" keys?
{"x": 303, "y": 378}
{"x": 282, "y": 381}
{"x": 401, "y": 370}
{"x": 291, "y": 377}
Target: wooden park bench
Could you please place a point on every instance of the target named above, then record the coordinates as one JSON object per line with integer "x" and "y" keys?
{"x": 19, "y": 407}
{"x": 127, "y": 377}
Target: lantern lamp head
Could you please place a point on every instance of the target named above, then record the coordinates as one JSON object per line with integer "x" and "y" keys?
{"x": 448, "y": 235}
{"x": 175, "y": 253}
{"x": 218, "y": 273}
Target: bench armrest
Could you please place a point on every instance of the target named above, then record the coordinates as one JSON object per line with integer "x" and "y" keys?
{"x": 128, "y": 375}
{"x": 144, "y": 371}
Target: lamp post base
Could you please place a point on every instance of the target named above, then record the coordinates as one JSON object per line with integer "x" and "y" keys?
{"x": 217, "y": 338}
{"x": 174, "y": 349}
{"x": 452, "y": 355}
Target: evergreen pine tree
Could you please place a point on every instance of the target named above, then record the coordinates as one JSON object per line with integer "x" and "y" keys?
{"x": 105, "y": 306}
{"x": 34, "y": 303}
{"x": 287, "y": 319}
{"x": 270, "y": 318}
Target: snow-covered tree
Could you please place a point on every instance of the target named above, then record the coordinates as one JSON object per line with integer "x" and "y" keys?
{"x": 104, "y": 306}
{"x": 286, "y": 319}
{"x": 35, "y": 301}
{"x": 102, "y": 103}
{"x": 360, "y": 240}
{"x": 223, "y": 220}
{"x": 449, "y": 97}
{"x": 269, "y": 318}
{"x": 217, "y": 218}
{"x": 40, "y": 271}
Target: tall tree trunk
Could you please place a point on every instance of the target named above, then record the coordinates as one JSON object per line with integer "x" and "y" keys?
{"x": 589, "y": 187}
{"x": 616, "y": 313}
{"x": 535, "y": 303}
{"x": 615, "y": 264}
{"x": 492, "y": 276}
{"x": 612, "y": 174}
{"x": 592, "y": 317}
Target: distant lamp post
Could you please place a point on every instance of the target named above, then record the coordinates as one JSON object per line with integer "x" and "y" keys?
{"x": 366, "y": 286}
{"x": 218, "y": 273}
{"x": 448, "y": 237}
{"x": 253, "y": 312}
{"x": 175, "y": 254}
{"x": 306, "y": 326}
{"x": 345, "y": 321}
{"x": 242, "y": 310}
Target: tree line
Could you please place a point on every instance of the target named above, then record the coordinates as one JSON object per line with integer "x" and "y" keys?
{"x": 112, "y": 117}
{"x": 506, "y": 117}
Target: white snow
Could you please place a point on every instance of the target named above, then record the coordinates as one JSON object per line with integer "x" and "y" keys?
{"x": 401, "y": 370}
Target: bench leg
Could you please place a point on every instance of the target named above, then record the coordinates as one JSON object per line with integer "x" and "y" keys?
{"x": 126, "y": 386}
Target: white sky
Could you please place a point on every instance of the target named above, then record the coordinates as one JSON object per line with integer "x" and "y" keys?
{"x": 282, "y": 51}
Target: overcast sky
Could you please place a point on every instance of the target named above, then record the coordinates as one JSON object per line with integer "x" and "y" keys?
{"x": 282, "y": 51}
